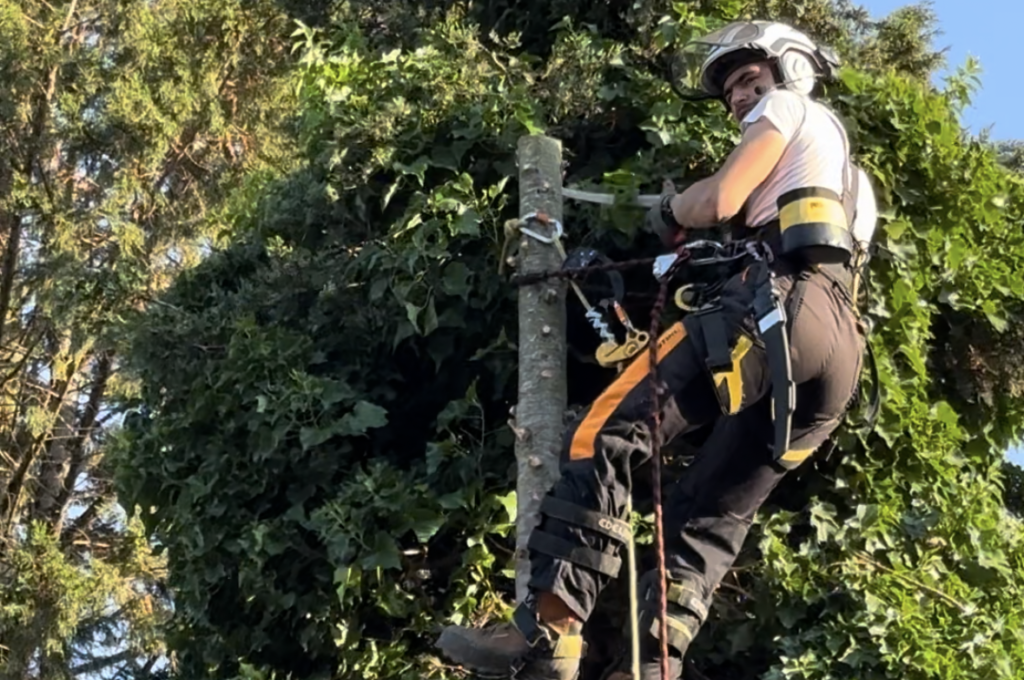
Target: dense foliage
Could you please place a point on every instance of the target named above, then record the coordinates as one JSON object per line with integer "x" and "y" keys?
{"x": 127, "y": 128}
{"x": 319, "y": 437}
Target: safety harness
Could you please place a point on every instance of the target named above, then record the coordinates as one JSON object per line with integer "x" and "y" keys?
{"x": 753, "y": 248}
{"x": 758, "y": 247}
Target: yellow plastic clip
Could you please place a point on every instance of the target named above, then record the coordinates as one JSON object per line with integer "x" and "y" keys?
{"x": 611, "y": 353}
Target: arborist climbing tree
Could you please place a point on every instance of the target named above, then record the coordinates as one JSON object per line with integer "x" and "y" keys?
{"x": 772, "y": 365}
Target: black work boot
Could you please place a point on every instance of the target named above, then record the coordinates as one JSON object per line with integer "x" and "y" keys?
{"x": 524, "y": 649}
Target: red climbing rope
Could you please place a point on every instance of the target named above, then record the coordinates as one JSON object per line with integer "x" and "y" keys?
{"x": 659, "y": 526}
{"x": 659, "y": 532}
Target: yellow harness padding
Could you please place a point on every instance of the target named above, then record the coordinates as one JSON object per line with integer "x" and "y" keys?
{"x": 732, "y": 378}
{"x": 794, "y": 457}
{"x": 814, "y": 220}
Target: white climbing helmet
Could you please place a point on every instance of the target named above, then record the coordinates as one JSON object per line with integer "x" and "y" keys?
{"x": 797, "y": 60}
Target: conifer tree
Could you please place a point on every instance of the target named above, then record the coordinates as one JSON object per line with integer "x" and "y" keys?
{"x": 133, "y": 134}
{"x": 320, "y": 435}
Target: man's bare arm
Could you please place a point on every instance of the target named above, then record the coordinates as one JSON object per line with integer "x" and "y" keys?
{"x": 718, "y": 198}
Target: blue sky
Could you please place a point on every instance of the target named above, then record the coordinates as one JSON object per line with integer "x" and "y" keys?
{"x": 987, "y": 31}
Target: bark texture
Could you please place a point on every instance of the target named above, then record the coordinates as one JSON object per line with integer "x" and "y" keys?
{"x": 542, "y": 353}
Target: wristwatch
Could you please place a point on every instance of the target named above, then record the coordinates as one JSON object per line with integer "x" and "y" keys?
{"x": 667, "y": 216}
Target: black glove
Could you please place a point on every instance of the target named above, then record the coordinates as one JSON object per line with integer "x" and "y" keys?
{"x": 660, "y": 219}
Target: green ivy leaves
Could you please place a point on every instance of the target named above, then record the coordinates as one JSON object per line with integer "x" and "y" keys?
{"x": 340, "y": 467}
{"x": 363, "y": 417}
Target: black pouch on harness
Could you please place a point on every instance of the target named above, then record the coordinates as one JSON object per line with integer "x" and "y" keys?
{"x": 724, "y": 354}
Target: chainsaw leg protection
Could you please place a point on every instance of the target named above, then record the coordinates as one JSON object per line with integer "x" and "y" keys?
{"x": 574, "y": 551}
{"x": 687, "y": 604}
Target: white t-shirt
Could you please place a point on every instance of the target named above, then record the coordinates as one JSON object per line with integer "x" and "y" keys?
{"x": 867, "y": 211}
{"x": 815, "y": 155}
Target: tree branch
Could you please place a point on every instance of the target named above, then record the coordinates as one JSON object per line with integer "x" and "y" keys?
{"x": 149, "y": 665}
{"x": 42, "y": 114}
{"x": 100, "y": 663}
{"x": 10, "y": 499}
{"x": 11, "y": 251}
{"x": 17, "y": 368}
{"x": 84, "y": 521}
{"x": 866, "y": 560}
{"x": 83, "y": 434}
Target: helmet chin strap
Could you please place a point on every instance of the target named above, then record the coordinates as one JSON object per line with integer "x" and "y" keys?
{"x": 702, "y": 97}
{"x": 759, "y": 90}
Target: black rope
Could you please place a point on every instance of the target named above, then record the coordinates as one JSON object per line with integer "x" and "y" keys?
{"x": 579, "y": 272}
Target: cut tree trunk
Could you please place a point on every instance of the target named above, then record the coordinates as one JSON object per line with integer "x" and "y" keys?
{"x": 542, "y": 353}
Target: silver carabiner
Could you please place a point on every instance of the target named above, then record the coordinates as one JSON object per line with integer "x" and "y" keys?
{"x": 543, "y": 239}
{"x": 663, "y": 264}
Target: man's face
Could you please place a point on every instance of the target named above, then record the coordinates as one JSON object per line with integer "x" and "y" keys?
{"x": 739, "y": 89}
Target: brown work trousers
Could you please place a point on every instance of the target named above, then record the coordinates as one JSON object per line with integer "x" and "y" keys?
{"x": 709, "y": 511}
